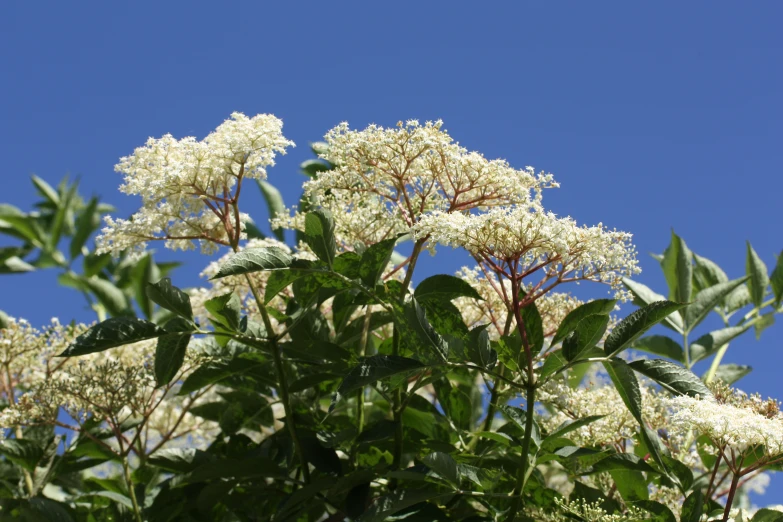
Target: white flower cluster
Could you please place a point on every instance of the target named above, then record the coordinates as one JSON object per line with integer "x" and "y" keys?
{"x": 561, "y": 248}
{"x": 111, "y": 386}
{"x": 385, "y": 179}
{"x": 189, "y": 187}
{"x": 737, "y": 427}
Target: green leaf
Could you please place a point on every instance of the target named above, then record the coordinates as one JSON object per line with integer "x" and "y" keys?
{"x": 480, "y": 348}
{"x": 764, "y": 322}
{"x": 170, "y": 297}
{"x": 444, "y": 287}
{"x": 319, "y": 234}
{"x": 677, "y": 266}
{"x": 708, "y": 299}
{"x": 23, "y": 452}
{"x": 279, "y": 280}
{"x": 575, "y": 316}
{"x": 46, "y": 190}
{"x": 757, "y": 276}
{"x": 693, "y": 507}
{"x": 111, "y": 297}
{"x": 767, "y": 515}
{"x": 274, "y": 203}
{"x": 444, "y": 465}
{"x": 672, "y": 376}
{"x": 375, "y": 368}
{"x": 15, "y": 265}
{"x": 254, "y": 260}
{"x": 518, "y": 417}
{"x": 169, "y": 356}
{"x": 374, "y": 261}
{"x": 636, "y": 324}
{"x": 569, "y": 427}
{"x": 426, "y": 333}
{"x": 226, "y": 309}
{"x": 5, "y": 321}
{"x": 39, "y": 509}
{"x": 553, "y": 362}
{"x": 731, "y": 373}
{"x": 313, "y": 167}
{"x": 631, "y": 484}
{"x": 707, "y": 273}
{"x": 661, "y": 513}
{"x": 116, "y": 331}
{"x": 660, "y": 345}
{"x": 246, "y": 468}
{"x": 710, "y": 343}
{"x": 60, "y": 217}
{"x": 645, "y": 296}
{"x": 587, "y": 334}
{"x": 627, "y": 386}
{"x": 534, "y": 328}
{"x": 776, "y": 281}
{"x": 396, "y": 501}
{"x": 87, "y": 222}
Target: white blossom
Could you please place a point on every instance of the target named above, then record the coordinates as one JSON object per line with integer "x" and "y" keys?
{"x": 189, "y": 188}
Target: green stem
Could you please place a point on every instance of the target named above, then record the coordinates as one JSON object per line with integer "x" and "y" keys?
{"x": 686, "y": 349}
{"x": 362, "y": 353}
{"x": 131, "y": 491}
{"x": 397, "y": 405}
{"x": 524, "y": 464}
{"x": 281, "y": 379}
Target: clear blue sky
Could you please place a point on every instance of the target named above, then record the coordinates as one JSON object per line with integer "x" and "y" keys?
{"x": 652, "y": 116}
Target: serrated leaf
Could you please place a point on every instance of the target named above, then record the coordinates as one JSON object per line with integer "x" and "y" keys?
{"x": 444, "y": 465}
{"x": 767, "y": 515}
{"x": 661, "y": 513}
{"x": 116, "y": 331}
{"x": 254, "y": 260}
{"x": 677, "y": 266}
{"x": 480, "y": 348}
{"x": 111, "y": 297}
{"x": 708, "y": 299}
{"x": 87, "y": 222}
{"x": 710, "y": 343}
{"x": 226, "y": 309}
{"x": 776, "y": 281}
{"x": 693, "y": 507}
{"x": 518, "y": 417}
{"x": 169, "y": 356}
{"x": 569, "y": 427}
{"x": 764, "y": 321}
{"x": 660, "y": 345}
{"x": 444, "y": 287}
{"x": 398, "y": 500}
{"x": 758, "y": 278}
{"x": 274, "y": 203}
{"x": 374, "y": 261}
{"x": 585, "y": 336}
{"x": 672, "y": 376}
{"x": 636, "y": 324}
{"x": 170, "y": 297}
{"x": 731, "y": 373}
{"x": 319, "y": 234}
{"x": 426, "y": 333}
{"x": 627, "y": 386}
{"x": 376, "y": 368}
{"x": 707, "y": 273}
{"x": 534, "y": 328}
{"x": 575, "y": 316}
{"x": 643, "y": 295}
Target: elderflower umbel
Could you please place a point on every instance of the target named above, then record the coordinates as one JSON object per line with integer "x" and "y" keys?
{"x": 738, "y": 427}
{"x": 186, "y": 185}
{"x": 538, "y": 240}
{"x": 387, "y": 178}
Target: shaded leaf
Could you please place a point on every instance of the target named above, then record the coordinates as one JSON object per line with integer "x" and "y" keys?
{"x": 374, "y": 261}
{"x": 575, "y": 316}
{"x": 645, "y": 296}
{"x": 426, "y": 333}
{"x": 708, "y": 299}
{"x": 693, "y": 507}
{"x": 711, "y": 342}
{"x": 585, "y": 336}
{"x": 169, "y": 356}
{"x": 636, "y": 324}
{"x": 672, "y": 376}
{"x": 274, "y": 203}
{"x": 660, "y": 345}
{"x": 319, "y": 234}
{"x": 757, "y": 276}
{"x": 254, "y": 260}
{"x": 444, "y": 465}
{"x": 731, "y": 373}
{"x": 444, "y": 287}
{"x": 116, "y": 331}
{"x": 170, "y": 297}
{"x": 677, "y": 266}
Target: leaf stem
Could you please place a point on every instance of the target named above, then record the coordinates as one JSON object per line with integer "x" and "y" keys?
{"x": 131, "y": 491}
{"x": 283, "y": 382}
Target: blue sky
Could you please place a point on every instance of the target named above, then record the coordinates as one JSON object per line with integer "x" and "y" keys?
{"x": 651, "y": 116}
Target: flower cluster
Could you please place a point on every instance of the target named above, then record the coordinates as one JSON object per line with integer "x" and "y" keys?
{"x": 386, "y": 179}
{"x": 534, "y": 239}
{"x": 189, "y": 188}
{"x": 739, "y": 424}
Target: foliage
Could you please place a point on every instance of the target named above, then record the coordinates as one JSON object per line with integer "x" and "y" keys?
{"x": 316, "y": 382}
